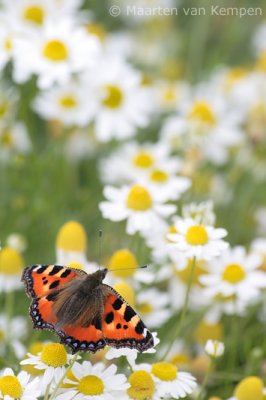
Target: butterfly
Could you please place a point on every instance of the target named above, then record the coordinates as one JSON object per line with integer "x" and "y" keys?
{"x": 85, "y": 313}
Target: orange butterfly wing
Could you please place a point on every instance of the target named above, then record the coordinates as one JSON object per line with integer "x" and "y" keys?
{"x": 122, "y": 326}
{"x": 41, "y": 279}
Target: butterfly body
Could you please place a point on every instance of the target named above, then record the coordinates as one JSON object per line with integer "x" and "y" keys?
{"x": 85, "y": 313}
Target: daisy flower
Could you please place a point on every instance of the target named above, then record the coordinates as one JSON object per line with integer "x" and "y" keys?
{"x": 198, "y": 240}
{"x": 69, "y": 104}
{"x": 131, "y": 354}
{"x": 200, "y": 212}
{"x": 160, "y": 380}
{"x": 133, "y": 161}
{"x": 52, "y": 360}
{"x": 14, "y": 140}
{"x": 251, "y": 387}
{"x": 18, "y": 387}
{"x": 125, "y": 266}
{"x": 11, "y": 266}
{"x": 12, "y": 331}
{"x": 201, "y": 125}
{"x": 53, "y": 54}
{"x": 6, "y": 47}
{"x": 137, "y": 205}
{"x": 94, "y": 382}
{"x": 71, "y": 244}
{"x": 30, "y": 15}
{"x": 123, "y": 105}
{"x": 235, "y": 273}
{"x": 152, "y": 305}
{"x": 168, "y": 95}
{"x": 17, "y": 241}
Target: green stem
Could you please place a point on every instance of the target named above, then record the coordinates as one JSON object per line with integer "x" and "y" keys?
{"x": 185, "y": 308}
{"x": 9, "y": 307}
{"x": 205, "y": 380}
{"x": 47, "y": 392}
{"x": 71, "y": 362}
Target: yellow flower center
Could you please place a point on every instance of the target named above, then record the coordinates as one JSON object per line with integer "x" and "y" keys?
{"x": 2, "y": 335}
{"x": 202, "y": 112}
{"x": 139, "y": 199}
{"x": 122, "y": 260}
{"x": 143, "y": 160}
{"x": 75, "y": 265}
{"x": 142, "y": 385}
{"x": 199, "y": 270}
{"x": 159, "y": 176}
{"x": 234, "y": 273}
{"x": 54, "y": 355}
{"x": 91, "y": 385}
{"x": 10, "y": 386}
{"x": 113, "y": 96}
{"x": 8, "y": 44}
{"x": 164, "y": 371}
{"x": 250, "y": 388}
{"x": 97, "y": 30}
{"x": 72, "y": 237}
{"x": 11, "y": 262}
{"x": 205, "y": 331}
{"x": 68, "y": 102}
{"x": 6, "y": 139}
{"x": 34, "y": 14}
{"x": 261, "y": 62}
{"x": 234, "y": 75}
{"x": 55, "y": 51}
{"x": 197, "y": 235}
{"x": 145, "y": 308}
{"x": 126, "y": 291}
{"x": 169, "y": 95}
{"x": 3, "y": 108}
{"x": 180, "y": 359}
{"x": 171, "y": 229}
{"x": 71, "y": 377}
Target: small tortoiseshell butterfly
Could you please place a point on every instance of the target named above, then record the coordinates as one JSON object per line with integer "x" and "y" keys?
{"x": 86, "y": 314}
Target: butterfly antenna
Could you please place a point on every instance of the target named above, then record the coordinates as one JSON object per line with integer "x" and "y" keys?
{"x": 125, "y": 269}
{"x": 100, "y": 247}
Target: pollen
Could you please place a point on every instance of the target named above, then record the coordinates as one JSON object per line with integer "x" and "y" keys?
{"x": 11, "y": 261}
{"x": 122, "y": 260}
{"x": 91, "y": 385}
{"x": 202, "y": 112}
{"x": 72, "y": 237}
{"x": 10, "y": 386}
{"x": 197, "y": 235}
{"x": 139, "y": 199}
{"x": 55, "y": 50}
{"x": 159, "y": 176}
{"x": 113, "y": 96}
{"x": 164, "y": 371}
{"x": 234, "y": 273}
{"x": 34, "y": 14}
{"x": 249, "y": 388}
{"x": 54, "y": 355}
{"x": 68, "y": 102}
{"x": 143, "y": 160}
{"x": 142, "y": 385}
{"x": 126, "y": 291}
